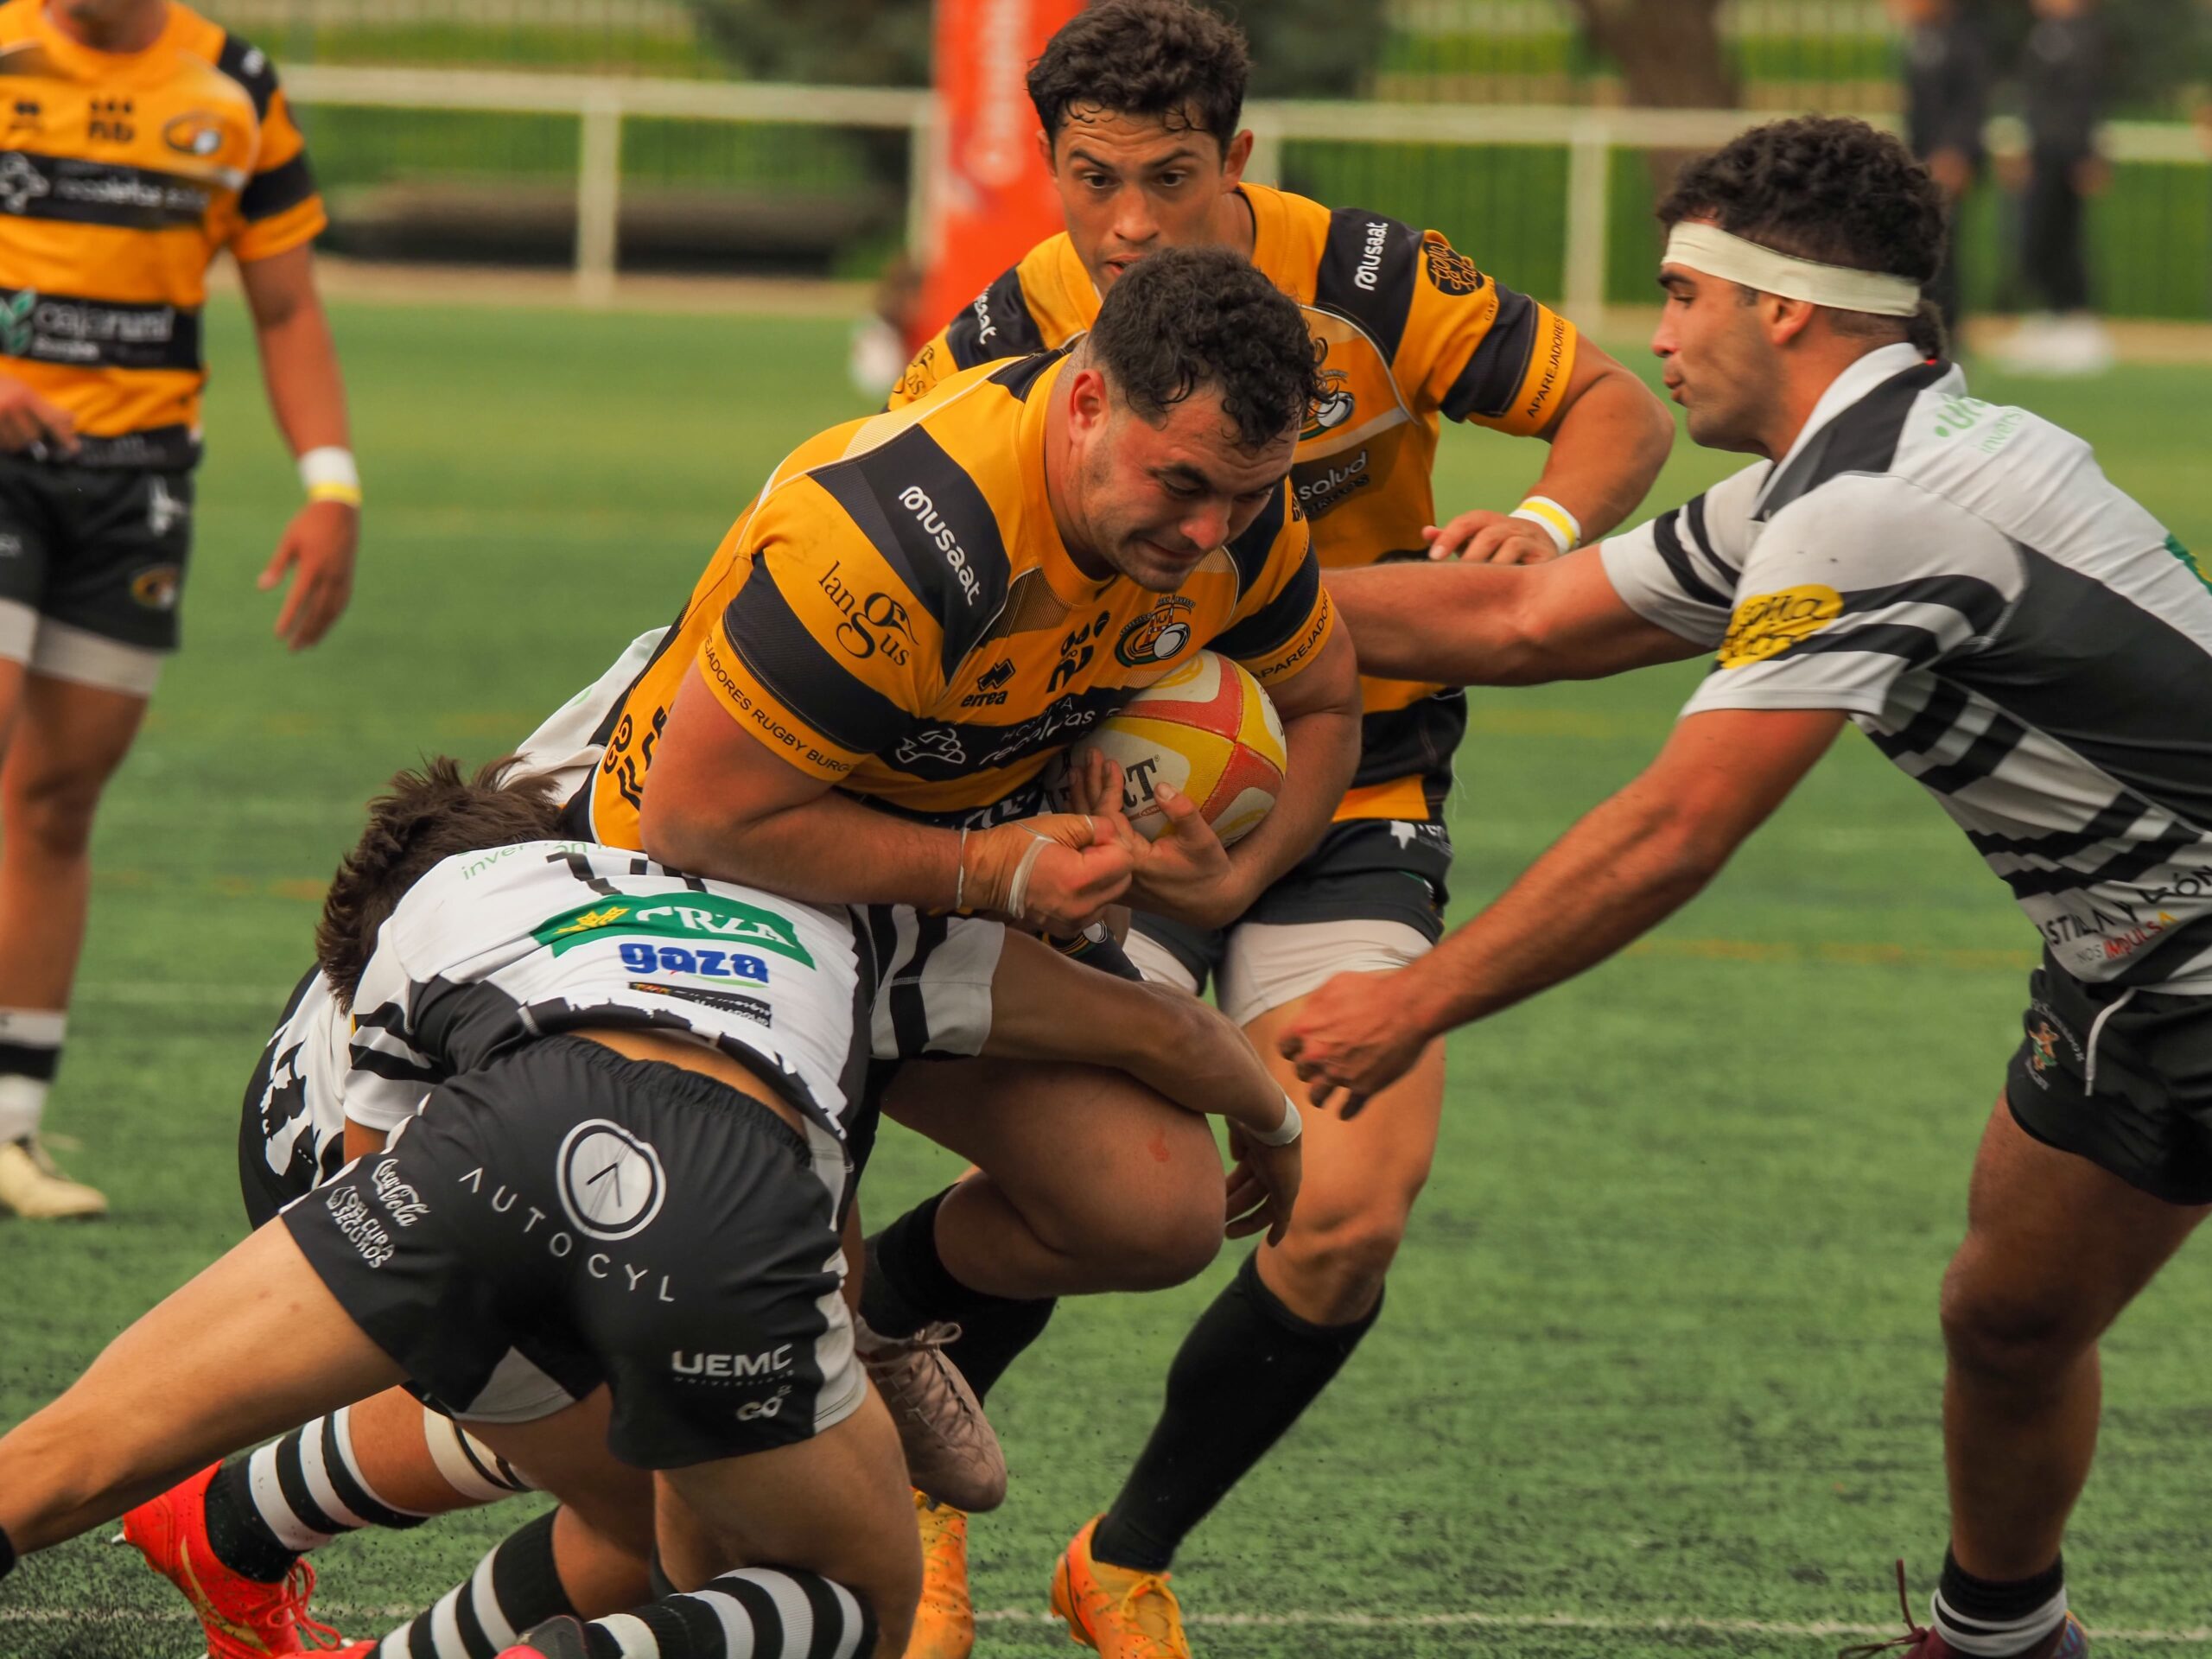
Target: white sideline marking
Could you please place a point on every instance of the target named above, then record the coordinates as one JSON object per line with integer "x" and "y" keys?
{"x": 344, "y": 1613}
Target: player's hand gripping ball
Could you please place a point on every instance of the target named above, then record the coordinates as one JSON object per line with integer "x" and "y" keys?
{"x": 1208, "y": 731}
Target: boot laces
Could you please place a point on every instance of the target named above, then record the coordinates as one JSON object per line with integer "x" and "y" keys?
{"x": 289, "y": 1599}
{"x": 1913, "y": 1636}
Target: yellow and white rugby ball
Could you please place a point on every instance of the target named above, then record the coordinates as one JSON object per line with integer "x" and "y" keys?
{"x": 1206, "y": 730}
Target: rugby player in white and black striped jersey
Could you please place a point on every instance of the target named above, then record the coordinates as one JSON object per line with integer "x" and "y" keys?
{"x": 607, "y": 1215}
{"x": 1962, "y": 582}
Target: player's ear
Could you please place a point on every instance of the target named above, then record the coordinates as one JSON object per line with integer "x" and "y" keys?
{"x": 1785, "y": 319}
{"x": 1089, "y": 400}
{"x": 1235, "y": 158}
{"x": 1045, "y": 150}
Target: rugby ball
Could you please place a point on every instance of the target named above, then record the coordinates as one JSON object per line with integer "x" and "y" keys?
{"x": 1207, "y": 730}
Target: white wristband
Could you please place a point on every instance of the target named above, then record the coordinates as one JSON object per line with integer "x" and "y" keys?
{"x": 329, "y": 474}
{"x": 1284, "y": 1132}
{"x": 1565, "y": 528}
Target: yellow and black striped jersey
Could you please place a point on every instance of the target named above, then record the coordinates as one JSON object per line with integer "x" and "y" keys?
{"x": 897, "y": 615}
{"x": 1414, "y": 332}
{"x": 122, "y": 174}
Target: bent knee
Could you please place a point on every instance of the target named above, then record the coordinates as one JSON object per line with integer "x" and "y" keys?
{"x": 2013, "y": 1336}
{"x": 1342, "y": 1254}
{"x": 55, "y": 811}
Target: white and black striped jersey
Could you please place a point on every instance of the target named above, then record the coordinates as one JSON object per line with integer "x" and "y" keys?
{"x": 296, "y": 1103}
{"x": 494, "y": 949}
{"x": 2004, "y": 623}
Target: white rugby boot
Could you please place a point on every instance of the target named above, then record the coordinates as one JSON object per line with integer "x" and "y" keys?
{"x": 33, "y": 1187}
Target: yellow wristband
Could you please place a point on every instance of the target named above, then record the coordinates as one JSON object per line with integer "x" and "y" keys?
{"x": 1566, "y": 529}
{"x": 346, "y": 494}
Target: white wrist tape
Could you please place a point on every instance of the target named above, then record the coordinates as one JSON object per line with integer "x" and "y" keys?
{"x": 1565, "y": 528}
{"x": 329, "y": 474}
{"x": 1017, "y": 891}
{"x": 1284, "y": 1132}
{"x": 1714, "y": 251}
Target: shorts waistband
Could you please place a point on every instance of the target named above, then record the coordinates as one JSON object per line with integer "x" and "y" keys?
{"x": 671, "y": 1081}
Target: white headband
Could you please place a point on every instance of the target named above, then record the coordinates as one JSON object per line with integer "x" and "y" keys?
{"x": 1714, "y": 251}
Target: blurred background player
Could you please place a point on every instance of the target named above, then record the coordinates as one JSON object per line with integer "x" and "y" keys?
{"x": 1947, "y": 82}
{"x": 2014, "y": 632}
{"x": 1139, "y": 102}
{"x": 2062, "y": 92}
{"x": 145, "y": 140}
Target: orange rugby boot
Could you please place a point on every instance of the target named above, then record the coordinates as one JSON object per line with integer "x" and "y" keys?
{"x": 1122, "y": 1613}
{"x": 944, "y": 1621}
{"x": 243, "y": 1618}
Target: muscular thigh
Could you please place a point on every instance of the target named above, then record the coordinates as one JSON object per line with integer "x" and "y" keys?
{"x": 1076, "y": 1146}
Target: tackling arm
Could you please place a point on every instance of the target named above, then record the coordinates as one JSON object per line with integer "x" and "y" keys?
{"x": 1632, "y": 862}
{"x": 1497, "y": 625}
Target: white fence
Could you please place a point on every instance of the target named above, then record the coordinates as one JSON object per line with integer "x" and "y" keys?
{"x": 601, "y": 103}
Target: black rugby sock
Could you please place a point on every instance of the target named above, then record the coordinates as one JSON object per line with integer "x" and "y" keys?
{"x": 1985, "y": 1617}
{"x": 242, "y": 1540}
{"x": 7, "y": 1554}
{"x": 907, "y": 1286}
{"x": 514, "y": 1587}
{"x": 742, "y": 1613}
{"x": 1245, "y": 1373}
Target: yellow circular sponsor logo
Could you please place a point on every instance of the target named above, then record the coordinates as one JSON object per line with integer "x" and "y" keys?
{"x": 1766, "y": 624}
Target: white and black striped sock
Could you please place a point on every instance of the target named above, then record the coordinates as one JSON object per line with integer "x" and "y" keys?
{"x": 760, "y": 1612}
{"x": 513, "y": 1588}
{"x": 1993, "y": 1620}
{"x": 307, "y": 1487}
{"x": 469, "y": 1466}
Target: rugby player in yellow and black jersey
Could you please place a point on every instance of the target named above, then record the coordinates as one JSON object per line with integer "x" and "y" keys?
{"x": 137, "y": 140}
{"x": 919, "y": 612}
{"x": 1138, "y": 102}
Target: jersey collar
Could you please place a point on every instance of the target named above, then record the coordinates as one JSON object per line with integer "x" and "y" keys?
{"x": 1846, "y": 390}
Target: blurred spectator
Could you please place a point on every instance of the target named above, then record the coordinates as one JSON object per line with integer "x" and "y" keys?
{"x": 2062, "y": 87}
{"x": 1946, "y": 76}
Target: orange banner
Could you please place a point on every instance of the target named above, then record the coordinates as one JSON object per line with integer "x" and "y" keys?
{"x": 990, "y": 199}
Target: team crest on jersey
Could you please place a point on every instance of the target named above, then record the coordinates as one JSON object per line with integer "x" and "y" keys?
{"x": 1450, "y": 269}
{"x": 1766, "y": 624}
{"x": 686, "y": 916}
{"x": 1156, "y": 636}
{"x": 16, "y": 329}
{"x": 196, "y": 133}
{"x": 1332, "y": 408}
{"x": 611, "y": 1183}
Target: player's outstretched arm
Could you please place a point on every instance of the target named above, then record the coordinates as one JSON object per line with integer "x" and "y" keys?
{"x": 1497, "y": 625}
{"x": 1045, "y": 1006}
{"x": 1632, "y": 862}
{"x": 719, "y": 802}
{"x": 300, "y": 364}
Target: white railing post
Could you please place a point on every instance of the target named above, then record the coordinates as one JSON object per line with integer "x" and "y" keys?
{"x": 925, "y": 132}
{"x": 599, "y": 195}
{"x": 1589, "y": 157}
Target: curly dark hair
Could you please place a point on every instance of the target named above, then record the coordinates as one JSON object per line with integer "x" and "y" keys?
{"x": 424, "y": 818}
{"x": 1830, "y": 189}
{"x": 1164, "y": 58}
{"x": 1185, "y": 319}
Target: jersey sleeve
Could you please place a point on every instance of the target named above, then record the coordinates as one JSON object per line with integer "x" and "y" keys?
{"x": 279, "y": 207}
{"x": 390, "y": 1075}
{"x": 1680, "y": 570}
{"x": 933, "y": 985}
{"x": 1481, "y": 352}
{"x": 1853, "y": 586}
{"x": 1283, "y": 616}
{"x": 824, "y": 653}
{"x": 997, "y": 323}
